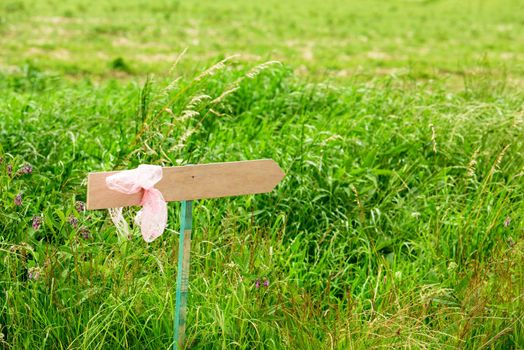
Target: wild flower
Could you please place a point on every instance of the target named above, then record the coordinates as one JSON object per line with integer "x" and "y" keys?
{"x": 18, "y": 199}
{"x": 73, "y": 221}
{"x": 258, "y": 283}
{"x": 33, "y": 273}
{"x": 37, "y": 222}
{"x": 26, "y": 169}
{"x": 80, "y": 206}
{"x": 84, "y": 232}
{"x": 9, "y": 170}
{"x": 507, "y": 221}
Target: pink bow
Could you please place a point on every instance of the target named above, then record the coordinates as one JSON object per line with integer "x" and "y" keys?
{"x": 152, "y": 218}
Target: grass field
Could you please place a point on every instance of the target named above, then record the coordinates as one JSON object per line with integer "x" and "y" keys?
{"x": 399, "y": 124}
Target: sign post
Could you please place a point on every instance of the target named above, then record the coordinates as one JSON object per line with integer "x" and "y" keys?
{"x": 184, "y": 248}
{"x": 185, "y": 184}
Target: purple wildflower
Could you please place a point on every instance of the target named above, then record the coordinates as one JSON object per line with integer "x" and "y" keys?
{"x": 507, "y": 221}
{"x": 73, "y": 221}
{"x": 84, "y": 232}
{"x": 26, "y": 169}
{"x": 18, "y": 199}
{"x": 9, "y": 170}
{"x": 80, "y": 206}
{"x": 37, "y": 221}
{"x": 34, "y": 273}
{"x": 257, "y": 284}
{"x": 266, "y": 283}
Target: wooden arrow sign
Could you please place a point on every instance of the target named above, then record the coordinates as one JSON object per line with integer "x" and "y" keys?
{"x": 191, "y": 182}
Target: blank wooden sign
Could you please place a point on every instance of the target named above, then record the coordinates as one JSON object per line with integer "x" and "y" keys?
{"x": 191, "y": 182}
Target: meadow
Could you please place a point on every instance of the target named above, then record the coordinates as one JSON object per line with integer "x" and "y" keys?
{"x": 399, "y": 124}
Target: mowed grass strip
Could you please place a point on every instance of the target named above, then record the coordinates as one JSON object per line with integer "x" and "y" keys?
{"x": 422, "y": 40}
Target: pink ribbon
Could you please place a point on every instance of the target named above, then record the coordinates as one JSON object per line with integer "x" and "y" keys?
{"x": 152, "y": 218}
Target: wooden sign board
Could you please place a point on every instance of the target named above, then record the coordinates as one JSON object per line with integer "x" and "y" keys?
{"x": 191, "y": 182}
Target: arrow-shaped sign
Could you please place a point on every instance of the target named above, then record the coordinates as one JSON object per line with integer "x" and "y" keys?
{"x": 191, "y": 182}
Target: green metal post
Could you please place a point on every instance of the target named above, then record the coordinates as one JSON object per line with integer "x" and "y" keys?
{"x": 184, "y": 248}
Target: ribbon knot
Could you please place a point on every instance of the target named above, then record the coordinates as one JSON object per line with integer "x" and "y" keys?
{"x": 152, "y": 218}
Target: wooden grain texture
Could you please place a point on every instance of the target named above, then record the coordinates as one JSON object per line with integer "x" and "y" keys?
{"x": 193, "y": 182}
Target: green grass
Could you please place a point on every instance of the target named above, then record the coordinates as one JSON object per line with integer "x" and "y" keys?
{"x": 400, "y": 222}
